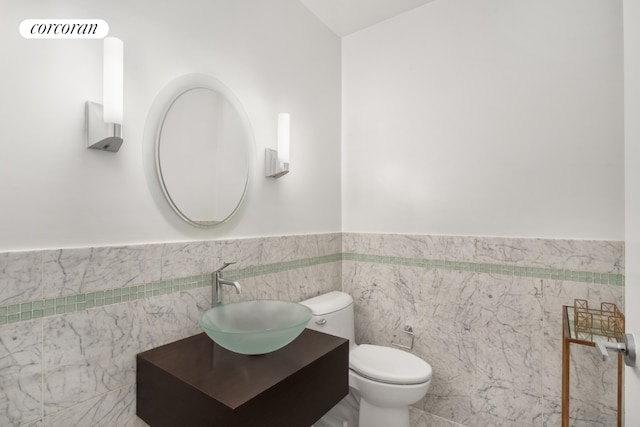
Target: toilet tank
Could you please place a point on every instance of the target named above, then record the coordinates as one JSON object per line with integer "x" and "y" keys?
{"x": 332, "y": 313}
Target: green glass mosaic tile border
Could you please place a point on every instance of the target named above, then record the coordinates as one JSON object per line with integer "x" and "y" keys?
{"x": 29, "y": 310}
{"x": 18, "y": 312}
{"x": 508, "y": 270}
{"x": 71, "y": 303}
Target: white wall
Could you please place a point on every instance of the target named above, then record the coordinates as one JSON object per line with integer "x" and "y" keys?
{"x": 486, "y": 117}
{"x": 274, "y": 55}
{"x": 632, "y": 188}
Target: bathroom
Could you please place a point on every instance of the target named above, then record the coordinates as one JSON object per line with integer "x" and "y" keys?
{"x": 491, "y": 186}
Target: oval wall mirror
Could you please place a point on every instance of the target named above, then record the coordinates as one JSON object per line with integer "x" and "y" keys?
{"x": 202, "y": 154}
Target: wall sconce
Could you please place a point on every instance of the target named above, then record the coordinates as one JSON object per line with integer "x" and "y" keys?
{"x": 277, "y": 161}
{"x": 104, "y": 122}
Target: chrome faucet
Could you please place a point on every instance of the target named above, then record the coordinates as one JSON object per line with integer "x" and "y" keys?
{"x": 216, "y": 294}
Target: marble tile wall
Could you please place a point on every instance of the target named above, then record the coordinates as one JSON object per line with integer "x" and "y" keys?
{"x": 487, "y": 316}
{"x": 72, "y": 320}
{"x": 486, "y": 312}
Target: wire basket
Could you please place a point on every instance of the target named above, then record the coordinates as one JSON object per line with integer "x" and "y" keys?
{"x": 606, "y": 322}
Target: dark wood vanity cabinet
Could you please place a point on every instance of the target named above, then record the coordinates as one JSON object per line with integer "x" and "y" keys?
{"x": 194, "y": 382}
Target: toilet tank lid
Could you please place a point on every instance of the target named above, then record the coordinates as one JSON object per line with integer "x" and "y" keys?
{"x": 328, "y": 303}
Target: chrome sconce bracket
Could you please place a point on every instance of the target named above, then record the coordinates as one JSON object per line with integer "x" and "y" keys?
{"x": 103, "y": 122}
{"x": 274, "y": 168}
{"x": 101, "y": 135}
{"x": 276, "y": 162}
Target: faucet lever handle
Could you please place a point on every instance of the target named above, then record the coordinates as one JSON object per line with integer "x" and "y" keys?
{"x": 226, "y": 264}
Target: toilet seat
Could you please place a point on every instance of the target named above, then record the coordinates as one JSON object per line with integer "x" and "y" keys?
{"x": 388, "y": 365}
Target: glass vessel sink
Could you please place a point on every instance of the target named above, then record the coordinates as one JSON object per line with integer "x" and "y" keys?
{"x": 255, "y": 327}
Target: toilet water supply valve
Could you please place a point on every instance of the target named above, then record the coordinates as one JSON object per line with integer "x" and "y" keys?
{"x": 627, "y": 348}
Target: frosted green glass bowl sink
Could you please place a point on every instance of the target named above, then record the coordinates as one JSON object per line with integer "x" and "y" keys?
{"x": 255, "y": 327}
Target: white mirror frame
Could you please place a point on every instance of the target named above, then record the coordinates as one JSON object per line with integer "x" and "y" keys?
{"x": 153, "y": 126}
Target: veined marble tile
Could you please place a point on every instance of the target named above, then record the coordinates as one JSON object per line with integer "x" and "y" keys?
{"x": 329, "y": 243}
{"x": 244, "y": 252}
{"x": 256, "y": 251}
{"x": 593, "y": 385}
{"x": 475, "y": 320}
{"x": 451, "y": 351}
{"x": 452, "y": 354}
{"x": 418, "y": 418}
{"x": 496, "y": 405}
{"x": 293, "y": 285}
{"x": 451, "y": 398}
{"x": 268, "y": 286}
{"x": 387, "y": 297}
{"x": 579, "y": 255}
{"x": 64, "y": 271}
{"x": 582, "y": 255}
{"x": 558, "y": 293}
{"x": 350, "y": 242}
{"x": 383, "y": 300}
{"x": 482, "y": 333}
{"x": 551, "y": 411}
{"x": 169, "y": 318}
{"x": 458, "y": 248}
{"x": 552, "y": 370}
{"x": 508, "y": 304}
{"x": 20, "y": 276}
{"x": 502, "y": 364}
{"x": 472, "y": 401}
{"x": 116, "y": 408}
{"x": 72, "y": 271}
{"x": 403, "y": 245}
{"x": 512, "y": 361}
{"x": 89, "y": 353}
{"x": 314, "y": 280}
{"x": 305, "y": 246}
{"x": 167, "y": 261}
{"x": 20, "y": 373}
{"x": 552, "y": 382}
{"x": 251, "y": 252}
{"x": 482, "y": 303}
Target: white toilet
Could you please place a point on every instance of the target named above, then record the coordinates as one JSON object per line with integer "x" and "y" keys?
{"x": 387, "y": 379}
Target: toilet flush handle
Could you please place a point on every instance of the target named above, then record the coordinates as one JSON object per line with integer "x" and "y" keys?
{"x": 321, "y": 322}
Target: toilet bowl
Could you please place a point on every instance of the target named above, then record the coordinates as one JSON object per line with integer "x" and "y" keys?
{"x": 387, "y": 379}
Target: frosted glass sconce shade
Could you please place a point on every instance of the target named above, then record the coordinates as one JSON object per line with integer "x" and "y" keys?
{"x": 277, "y": 161}
{"x": 104, "y": 122}
{"x": 113, "y": 80}
{"x": 283, "y": 137}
